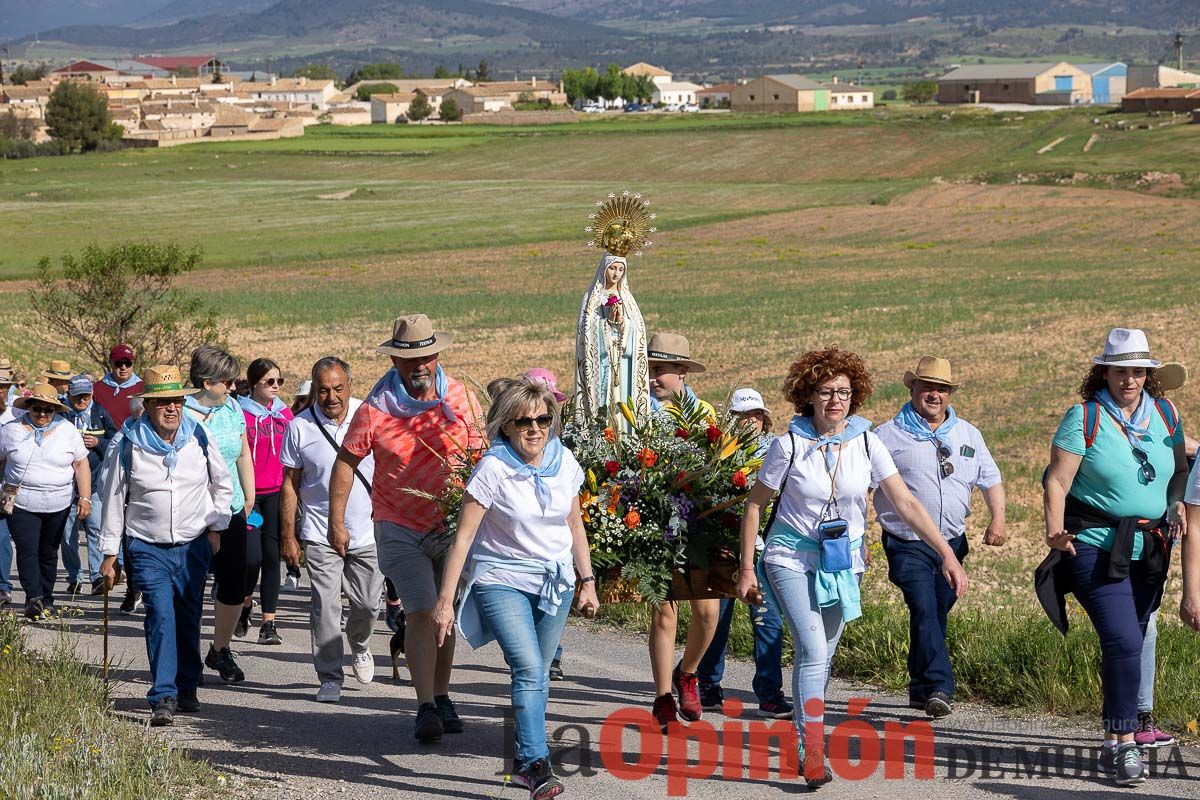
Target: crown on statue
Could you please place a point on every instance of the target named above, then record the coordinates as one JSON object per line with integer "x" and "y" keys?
{"x": 622, "y": 224}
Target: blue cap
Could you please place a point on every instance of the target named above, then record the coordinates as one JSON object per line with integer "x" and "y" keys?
{"x": 78, "y": 385}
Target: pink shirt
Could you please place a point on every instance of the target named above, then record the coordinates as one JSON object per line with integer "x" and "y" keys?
{"x": 265, "y": 438}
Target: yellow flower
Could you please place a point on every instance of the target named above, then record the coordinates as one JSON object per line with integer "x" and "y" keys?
{"x": 626, "y": 411}
{"x": 729, "y": 446}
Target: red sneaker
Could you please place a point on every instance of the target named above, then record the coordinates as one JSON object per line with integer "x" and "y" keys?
{"x": 664, "y": 710}
{"x": 687, "y": 685}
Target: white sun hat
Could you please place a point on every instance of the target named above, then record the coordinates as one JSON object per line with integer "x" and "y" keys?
{"x": 1127, "y": 347}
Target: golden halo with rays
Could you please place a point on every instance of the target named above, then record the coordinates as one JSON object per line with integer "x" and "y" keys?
{"x": 622, "y": 224}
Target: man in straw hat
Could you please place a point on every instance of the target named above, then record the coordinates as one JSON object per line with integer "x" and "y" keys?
{"x": 941, "y": 459}
{"x": 58, "y": 375}
{"x": 166, "y": 489}
{"x": 417, "y": 421}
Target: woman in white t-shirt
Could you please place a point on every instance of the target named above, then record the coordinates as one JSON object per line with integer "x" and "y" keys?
{"x": 44, "y": 461}
{"x": 521, "y": 524}
{"x": 815, "y": 552}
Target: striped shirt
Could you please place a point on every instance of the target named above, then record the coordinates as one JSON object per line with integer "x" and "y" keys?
{"x": 411, "y": 454}
{"x": 948, "y": 499}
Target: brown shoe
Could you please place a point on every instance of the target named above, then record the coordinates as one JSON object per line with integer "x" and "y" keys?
{"x": 664, "y": 710}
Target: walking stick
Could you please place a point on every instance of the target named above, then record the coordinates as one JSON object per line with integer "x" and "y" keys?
{"x": 107, "y": 589}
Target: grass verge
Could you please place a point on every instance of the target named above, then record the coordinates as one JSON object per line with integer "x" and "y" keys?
{"x": 59, "y": 738}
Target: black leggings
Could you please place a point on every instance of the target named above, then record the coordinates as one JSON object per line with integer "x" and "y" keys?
{"x": 37, "y": 537}
{"x": 262, "y": 553}
{"x": 229, "y": 564}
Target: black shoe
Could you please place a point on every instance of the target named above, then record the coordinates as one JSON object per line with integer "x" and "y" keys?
{"x": 540, "y": 779}
{"x": 222, "y": 661}
{"x": 268, "y": 635}
{"x": 130, "y": 601}
{"x": 917, "y": 703}
{"x": 712, "y": 696}
{"x": 451, "y": 722}
{"x": 5, "y": 598}
{"x": 73, "y": 587}
{"x": 429, "y": 724}
{"x": 243, "y": 623}
{"x": 163, "y": 713}
{"x": 556, "y": 671}
{"x": 188, "y": 702}
{"x": 938, "y": 705}
{"x": 98, "y": 586}
{"x": 35, "y": 610}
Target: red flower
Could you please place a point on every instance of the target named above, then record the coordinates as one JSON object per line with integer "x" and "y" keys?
{"x": 613, "y": 300}
{"x": 610, "y": 435}
{"x": 632, "y": 519}
{"x": 612, "y": 467}
{"x": 681, "y": 433}
{"x": 713, "y": 432}
{"x": 739, "y": 479}
{"x": 647, "y": 457}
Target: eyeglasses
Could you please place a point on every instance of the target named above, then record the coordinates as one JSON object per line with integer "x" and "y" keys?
{"x": 37, "y": 409}
{"x": 123, "y": 363}
{"x": 228, "y": 382}
{"x": 273, "y": 381}
{"x": 167, "y": 402}
{"x": 1144, "y": 465}
{"x": 828, "y": 394}
{"x": 944, "y": 462}
{"x": 543, "y": 422}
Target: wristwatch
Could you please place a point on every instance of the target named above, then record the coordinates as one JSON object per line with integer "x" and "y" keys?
{"x": 588, "y": 579}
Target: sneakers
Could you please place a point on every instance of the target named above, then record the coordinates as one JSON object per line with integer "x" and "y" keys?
{"x": 330, "y": 692}
{"x": 188, "y": 702}
{"x": 712, "y": 696}
{"x": 243, "y": 623}
{"x": 98, "y": 586}
{"x": 664, "y": 710}
{"x": 825, "y": 774}
{"x": 5, "y": 598}
{"x": 267, "y": 634}
{"x": 130, "y": 602}
{"x": 34, "y": 610}
{"x": 73, "y": 587}
{"x": 163, "y": 712}
{"x": 556, "y": 671}
{"x": 938, "y": 705}
{"x": 291, "y": 584}
{"x": 687, "y": 685}
{"x": 1129, "y": 769}
{"x": 364, "y": 666}
{"x": 1149, "y": 734}
{"x": 776, "y": 709}
{"x": 222, "y": 661}
{"x": 451, "y": 722}
{"x": 429, "y": 724}
{"x": 540, "y": 779}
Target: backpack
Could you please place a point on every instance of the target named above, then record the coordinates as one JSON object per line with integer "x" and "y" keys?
{"x": 1091, "y": 418}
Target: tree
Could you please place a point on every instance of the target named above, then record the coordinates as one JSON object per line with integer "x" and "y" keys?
{"x": 483, "y": 72}
{"x": 419, "y": 108}
{"x": 643, "y": 87}
{"x": 889, "y": 94}
{"x": 316, "y": 72}
{"x": 24, "y": 74}
{"x": 14, "y": 127}
{"x": 216, "y": 78}
{"x": 123, "y": 293}
{"x": 77, "y": 114}
{"x": 920, "y": 91}
{"x": 382, "y": 71}
{"x": 450, "y": 112}
{"x": 441, "y": 73}
{"x": 365, "y": 91}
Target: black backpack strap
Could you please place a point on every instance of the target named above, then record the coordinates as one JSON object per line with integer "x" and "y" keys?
{"x": 782, "y": 486}
{"x": 333, "y": 443}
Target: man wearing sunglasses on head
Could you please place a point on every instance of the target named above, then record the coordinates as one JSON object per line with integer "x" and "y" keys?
{"x": 120, "y": 385}
{"x": 941, "y": 459}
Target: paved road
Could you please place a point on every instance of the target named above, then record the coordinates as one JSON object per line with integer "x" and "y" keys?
{"x": 270, "y": 732}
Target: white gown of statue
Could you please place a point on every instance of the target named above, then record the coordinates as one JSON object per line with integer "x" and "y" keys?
{"x": 610, "y": 357}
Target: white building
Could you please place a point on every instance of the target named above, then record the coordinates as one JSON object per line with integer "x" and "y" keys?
{"x": 847, "y": 96}
{"x": 676, "y": 93}
{"x": 299, "y": 91}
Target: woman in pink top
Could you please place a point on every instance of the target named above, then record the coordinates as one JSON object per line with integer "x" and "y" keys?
{"x": 267, "y": 420}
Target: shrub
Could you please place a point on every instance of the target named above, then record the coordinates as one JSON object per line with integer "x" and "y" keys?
{"x": 365, "y": 91}
{"x": 77, "y": 115}
{"x": 889, "y": 94}
{"x": 920, "y": 91}
{"x": 419, "y": 108}
{"x": 450, "y": 112}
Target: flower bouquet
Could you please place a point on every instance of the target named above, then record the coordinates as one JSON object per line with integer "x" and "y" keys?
{"x": 662, "y": 499}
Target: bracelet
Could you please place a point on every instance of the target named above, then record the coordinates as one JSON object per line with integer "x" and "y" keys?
{"x": 588, "y": 579}
{"x": 748, "y": 569}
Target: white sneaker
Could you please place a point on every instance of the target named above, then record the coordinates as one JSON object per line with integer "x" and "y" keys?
{"x": 291, "y": 584}
{"x": 330, "y": 692}
{"x": 364, "y": 666}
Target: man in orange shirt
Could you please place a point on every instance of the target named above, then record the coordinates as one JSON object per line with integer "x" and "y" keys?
{"x": 414, "y": 421}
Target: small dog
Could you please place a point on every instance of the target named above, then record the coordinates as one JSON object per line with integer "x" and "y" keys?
{"x": 396, "y": 646}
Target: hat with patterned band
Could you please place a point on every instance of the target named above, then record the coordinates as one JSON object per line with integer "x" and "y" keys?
{"x": 1126, "y": 347}
{"x": 672, "y": 348}
{"x": 413, "y": 336}
{"x": 163, "y": 380}
{"x": 40, "y": 393}
{"x": 59, "y": 371}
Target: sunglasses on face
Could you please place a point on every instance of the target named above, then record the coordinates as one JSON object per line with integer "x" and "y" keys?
{"x": 122, "y": 363}
{"x": 828, "y": 394}
{"x": 1145, "y": 466}
{"x": 227, "y": 383}
{"x": 168, "y": 402}
{"x": 944, "y": 463}
{"x": 272, "y": 382}
{"x": 543, "y": 422}
{"x": 35, "y": 409}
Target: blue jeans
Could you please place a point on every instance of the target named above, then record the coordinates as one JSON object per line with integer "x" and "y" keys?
{"x": 528, "y": 638}
{"x": 70, "y": 544}
{"x": 6, "y": 557}
{"x": 815, "y": 634}
{"x": 1149, "y": 662}
{"x": 171, "y": 578}
{"x": 917, "y": 570}
{"x": 1120, "y": 611}
{"x": 768, "y": 651}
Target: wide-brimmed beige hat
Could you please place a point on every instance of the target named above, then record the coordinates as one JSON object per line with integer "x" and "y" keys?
{"x": 164, "y": 380}
{"x": 40, "y": 393}
{"x": 1172, "y": 375}
{"x": 413, "y": 336}
{"x": 59, "y": 371}
{"x": 932, "y": 369}
{"x": 672, "y": 348}
{"x": 7, "y": 376}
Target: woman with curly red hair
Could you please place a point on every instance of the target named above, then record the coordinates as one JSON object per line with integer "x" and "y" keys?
{"x": 815, "y": 551}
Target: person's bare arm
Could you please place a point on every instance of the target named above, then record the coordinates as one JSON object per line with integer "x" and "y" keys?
{"x": 340, "y": 483}
{"x": 289, "y": 547}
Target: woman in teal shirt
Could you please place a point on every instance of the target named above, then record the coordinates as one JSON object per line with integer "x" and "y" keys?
{"x": 1113, "y": 503}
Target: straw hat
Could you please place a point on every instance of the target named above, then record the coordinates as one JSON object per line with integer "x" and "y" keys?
{"x": 932, "y": 369}
{"x": 1126, "y": 347}
{"x": 59, "y": 371}
{"x": 164, "y": 380}
{"x": 413, "y": 336}
{"x": 1172, "y": 375}
{"x": 7, "y": 376}
{"x": 672, "y": 348}
{"x": 40, "y": 393}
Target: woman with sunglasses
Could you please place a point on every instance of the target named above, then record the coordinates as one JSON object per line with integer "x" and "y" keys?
{"x": 1114, "y": 507}
{"x": 44, "y": 460}
{"x": 267, "y": 420}
{"x": 214, "y": 371}
{"x": 522, "y": 528}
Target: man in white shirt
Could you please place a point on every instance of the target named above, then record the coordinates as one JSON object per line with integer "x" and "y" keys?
{"x": 166, "y": 488}
{"x": 309, "y": 451}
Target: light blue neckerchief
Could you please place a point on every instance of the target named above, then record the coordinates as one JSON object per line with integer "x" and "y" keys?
{"x": 1137, "y": 427}
{"x": 803, "y": 426}
{"x": 39, "y": 433}
{"x": 911, "y": 422}
{"x": 191, "y": 402}
{"x": 142, "y": 434}
{"x": 831, "y": 588}
{"x": 391, "y": 396}
{"x": 558, "y": 583}
{"x": 85, "y": 416}
{"x": 659, "y": 405}
{"x": 259, "y": 411}
{"x": 551, "y": 463}
{"x": 109, "y": 380}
